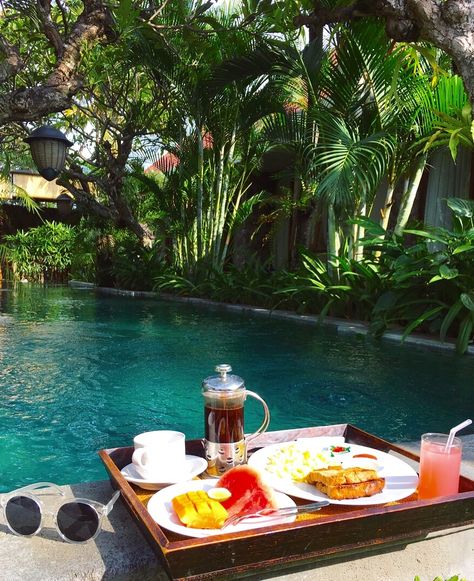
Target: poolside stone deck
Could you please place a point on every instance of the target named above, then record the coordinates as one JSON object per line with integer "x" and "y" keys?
{"x": 120, "y": 552}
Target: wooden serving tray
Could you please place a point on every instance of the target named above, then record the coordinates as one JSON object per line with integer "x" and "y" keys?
{"x": 332, "y": 530}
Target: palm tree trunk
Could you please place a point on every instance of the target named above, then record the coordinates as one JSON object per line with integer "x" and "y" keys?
{"x": 294, "y": 217}
{"x": 200, "y": 190}
{"x": 333, "y": 244}
{"x": 217, "y": 202}
{"x": 410, "y": 195}
{"x": 309, "y": 232}
{"x": 230, "y": 230}
{"x": 237, "y": 196}
{"x": 359, "y": 233}
{"x": 387, "y": 206}
{"x": 226, "y": 199}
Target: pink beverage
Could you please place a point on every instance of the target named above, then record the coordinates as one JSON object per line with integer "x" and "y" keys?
{"x": 439, "y": 468}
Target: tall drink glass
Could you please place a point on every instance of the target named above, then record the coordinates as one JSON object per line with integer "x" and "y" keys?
{"x": 439, "y": 468}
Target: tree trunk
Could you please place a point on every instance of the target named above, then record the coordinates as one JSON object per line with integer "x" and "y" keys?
{"x": 333, "y": 240}
{"x": 310, "y": 227}
{"x": 200, "y": 190}
{"x": 226, "y": 198}
{"x": 215, "y": 203}
{"x": 118, "y": 211}
{"x": 409, "y": 195}
{"x": 293, "y": 234}
{"x": 387, "y": 206}
{"x": 359, "y": 233}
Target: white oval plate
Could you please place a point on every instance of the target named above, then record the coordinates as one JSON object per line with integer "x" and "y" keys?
{"x": 160, "y": 509}
{"x": 400, "y": 478}
{"x": 194, "y": 466}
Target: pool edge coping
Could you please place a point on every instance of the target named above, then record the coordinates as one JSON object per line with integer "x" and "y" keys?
{"x": 341, "y": 325}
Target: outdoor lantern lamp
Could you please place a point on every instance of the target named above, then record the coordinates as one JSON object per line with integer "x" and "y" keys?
{"x": 48, "y": 149}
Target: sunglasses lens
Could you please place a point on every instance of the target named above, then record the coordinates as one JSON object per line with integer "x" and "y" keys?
{"x": 23, "y": 515}
{"x": 77, "y": 521}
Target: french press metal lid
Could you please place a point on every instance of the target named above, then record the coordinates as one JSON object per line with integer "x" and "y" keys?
{"x": 223, "y": 381}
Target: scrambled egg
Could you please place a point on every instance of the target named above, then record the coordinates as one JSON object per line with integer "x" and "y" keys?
{"x": 294, "y": 462}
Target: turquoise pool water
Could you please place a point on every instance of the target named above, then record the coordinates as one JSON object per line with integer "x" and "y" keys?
{"x": 80, "y": 372}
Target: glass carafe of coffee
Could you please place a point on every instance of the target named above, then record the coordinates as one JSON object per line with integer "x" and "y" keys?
{"x": 225, "y": 443}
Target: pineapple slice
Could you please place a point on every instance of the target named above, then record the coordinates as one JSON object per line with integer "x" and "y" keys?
{"x": 196, "y": 510}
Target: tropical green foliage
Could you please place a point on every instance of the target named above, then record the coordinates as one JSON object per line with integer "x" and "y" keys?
{"x": 423, "y": 281}
{"x": 133, "y": 266}
{"x": 274, "y": 143}
{"x": 351, "y": 293}
{"x": 253, "y": 284}
{"x": 109, "y": 256}
{"x": 208, "y": 129}
{"x": 430, "y": 283}
{"x": 450, "y": 114}
{"x": 42, "y": 254}
{"x": 452, "y": 578}
{"x": 330, "y": 127}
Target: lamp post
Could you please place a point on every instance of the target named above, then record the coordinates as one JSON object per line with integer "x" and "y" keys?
{"x": 48, "y": 149}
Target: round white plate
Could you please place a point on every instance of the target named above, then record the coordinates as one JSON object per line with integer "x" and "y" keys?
{"x": 193, "y": 467}
{"x": 400, "y": 478}
{"x": 161, "y": 510}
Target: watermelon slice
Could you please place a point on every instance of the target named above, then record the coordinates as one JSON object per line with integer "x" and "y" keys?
{"x": 248, "y": 492}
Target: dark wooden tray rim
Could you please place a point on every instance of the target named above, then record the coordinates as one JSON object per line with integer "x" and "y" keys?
{"x": 337, "y": 529}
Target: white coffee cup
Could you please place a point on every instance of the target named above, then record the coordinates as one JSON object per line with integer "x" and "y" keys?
{"x": 160, "y": 455}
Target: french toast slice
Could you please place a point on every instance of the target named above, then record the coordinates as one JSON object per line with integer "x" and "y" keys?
{"x": 351, "y": 491}
{"x": 346, "y": 483}
{"x": 336, "y": 475}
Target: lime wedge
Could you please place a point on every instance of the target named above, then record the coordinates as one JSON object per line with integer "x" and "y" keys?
{"x": 219, "y": 493}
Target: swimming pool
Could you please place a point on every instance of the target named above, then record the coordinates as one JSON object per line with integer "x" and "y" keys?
{"x": 80, "y": 372}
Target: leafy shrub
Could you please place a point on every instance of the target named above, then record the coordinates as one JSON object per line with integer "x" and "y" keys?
{"x": 133, "y": 266}
{"x": 254, "y": 283}
{"x": 429, "y": 284}
{"x": 453, "y": 578}
{"x": 349, "y": 289}
{"x": 113, "y": 257}
{"x": 84, "y": 255}
{"x": 41, "y": 254}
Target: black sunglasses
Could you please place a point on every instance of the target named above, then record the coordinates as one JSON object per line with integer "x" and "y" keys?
{"x": 77, "y": 520}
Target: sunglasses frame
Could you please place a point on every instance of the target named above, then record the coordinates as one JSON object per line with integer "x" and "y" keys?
{"x": 100, "y": 509}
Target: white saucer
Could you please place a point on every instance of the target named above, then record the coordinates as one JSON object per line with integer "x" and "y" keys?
{"x": 194, "y": 465}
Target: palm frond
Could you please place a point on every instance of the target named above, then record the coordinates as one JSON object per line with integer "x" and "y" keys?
{"x": 9, "y": 190}
{"x": 349, "y": 165}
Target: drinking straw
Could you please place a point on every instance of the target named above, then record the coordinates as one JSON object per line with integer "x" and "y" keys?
{"x": 453, "y": 432}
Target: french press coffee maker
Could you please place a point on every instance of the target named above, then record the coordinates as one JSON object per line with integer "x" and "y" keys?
{"x": 225, "y": 444}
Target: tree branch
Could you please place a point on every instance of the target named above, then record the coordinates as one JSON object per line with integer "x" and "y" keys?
{"x": 11, "y": 63}
{"x": 55, "y": 94}
{"x": 43, "y": 9}
{"x": 63, "y": 16}
{"x": 85, "y": 200}
{"x": 322, "y": 15}
{"x": 93, "y": 24}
